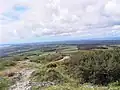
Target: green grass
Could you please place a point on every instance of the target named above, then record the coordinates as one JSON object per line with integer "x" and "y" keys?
{"x": 70, "y": 86}
{"x": 48, "y": 74}
{"x": 114, "y": 85}
{"x": 6, "y": 63}
{"x": 74, "y": 86}
{"x": 4, "y": 83}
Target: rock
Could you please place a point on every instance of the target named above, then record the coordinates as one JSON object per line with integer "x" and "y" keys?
{"x": 22, "y": 80}
{"x": 43, "y": 84}
{"x": 16, "y": 77}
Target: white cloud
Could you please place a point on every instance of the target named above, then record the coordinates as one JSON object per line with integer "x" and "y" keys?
{"x": 116, "y": 27}
{"x": 61, "y": 18}
{"x": 112, "y": 7}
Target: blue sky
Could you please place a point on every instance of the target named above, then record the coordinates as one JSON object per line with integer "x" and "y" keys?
{"x": 51, "y": 20}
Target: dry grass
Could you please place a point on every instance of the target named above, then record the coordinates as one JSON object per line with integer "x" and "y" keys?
{"x": 13, "y": 69}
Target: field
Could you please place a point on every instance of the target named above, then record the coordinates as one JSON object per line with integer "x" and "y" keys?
{"x": 62, "y": 67}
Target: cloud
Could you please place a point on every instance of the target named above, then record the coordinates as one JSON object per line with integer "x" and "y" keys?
{"x": 23, "y": 19}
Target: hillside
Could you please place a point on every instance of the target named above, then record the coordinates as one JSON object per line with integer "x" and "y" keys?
{"x": 65, "y": 68}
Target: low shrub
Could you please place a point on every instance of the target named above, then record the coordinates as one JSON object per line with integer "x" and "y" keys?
{"x": 97, "y": 67}
{"x": 48, "y": 74}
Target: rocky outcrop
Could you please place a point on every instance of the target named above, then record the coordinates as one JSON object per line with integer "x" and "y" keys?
{"x": 22, "y": 80}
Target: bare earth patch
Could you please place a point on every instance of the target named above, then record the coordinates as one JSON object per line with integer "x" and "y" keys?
{"x": 23, "y": 83}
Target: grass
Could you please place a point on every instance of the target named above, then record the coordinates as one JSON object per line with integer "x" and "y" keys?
{"x": 114, "y": 85}
{"x": 32, "y": 53}
{"x": 48, "y": 74}
{"x": 74, "y": 86}
{"x": 54, "y": 69}
{"x": 4, "y": 83}
{"x": 70, "y": 86}
{"x": 50, "y": 67}
{"x": 6, "y": 63}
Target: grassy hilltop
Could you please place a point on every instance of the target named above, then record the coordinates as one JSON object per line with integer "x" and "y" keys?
{"x": 64, "y": 68}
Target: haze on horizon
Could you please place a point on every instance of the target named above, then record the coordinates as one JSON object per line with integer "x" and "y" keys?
{"x": 51, "y": 20}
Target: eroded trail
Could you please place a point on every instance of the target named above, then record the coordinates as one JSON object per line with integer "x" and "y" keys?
{"x": 23, "y": 81}
{"x": 23, "y": 76}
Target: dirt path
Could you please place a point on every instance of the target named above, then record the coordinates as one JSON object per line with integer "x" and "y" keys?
{"x": 23, "y": 82}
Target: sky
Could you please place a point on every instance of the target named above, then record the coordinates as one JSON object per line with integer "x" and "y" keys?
{"x": 52, "y": 20}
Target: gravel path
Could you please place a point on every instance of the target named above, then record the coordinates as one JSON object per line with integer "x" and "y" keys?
{"x": 21, "y": 78}
{"x": 23, "y": 83}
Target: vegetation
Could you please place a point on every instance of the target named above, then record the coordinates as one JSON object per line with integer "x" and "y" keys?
{"x": 69, "y": 86}
{"x": 97, "y": 67}
{"x": 83, "y": 69}
{"x": 47, "y": 75}
{"x": 6, "y": 63}
{"x": 4, "y": 83}
{"x": 46, "y": 58}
